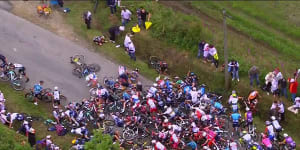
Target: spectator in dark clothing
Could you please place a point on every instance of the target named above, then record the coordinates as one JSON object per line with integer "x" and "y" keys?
{"x": 283, "y": 87}
{"x": 253, "y": 74}
{"x": 87, "y": 16}
{"x": 142, "y": 16}
{"x": 31, "y": 137}
{"x": 113, "y": 31}
{"x": 113, "y": 6}
{"x": 200, "y": 49}
{"x": 60, "y": 3}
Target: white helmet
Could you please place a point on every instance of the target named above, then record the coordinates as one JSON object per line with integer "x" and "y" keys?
{"x": 205, "y": 147}
{"x": 48, "y": 136}
{"x": 204, "y": 134}
{"x": 25, "y": 122}
{"x": 194, "y": 88}
{"x": 285, "y": 135}
{"x": 3, "y": 111}
{"x": 153, "y": 141}
{"x": 121, "y": 28}
{"x": 169, "y": 126}
{"x": 155, "y": 84}
{"x": 55, "y": 88}
{"x": 166, "y": 121}
{"x": 247, "y": 109}
{"x": 273, "y": 117}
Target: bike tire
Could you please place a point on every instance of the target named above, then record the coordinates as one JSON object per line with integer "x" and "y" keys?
{"x": 77, "y": 72}
{"x": 94, "y": 67}
{"x": 153, "y": 60}
{"x": 29, "y": 96}
{"x": 63, "y": 98}
{"x": 79, "y": 57}
{"x": 93, "y": 92}
{"x": 128, "y": 134}
{"x": 18, "y": 84}
{"x": 109, "y": 122}
{"x": 4, "y": 77}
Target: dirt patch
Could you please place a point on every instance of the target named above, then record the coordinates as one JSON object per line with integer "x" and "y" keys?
{"x": 55, "y": 22}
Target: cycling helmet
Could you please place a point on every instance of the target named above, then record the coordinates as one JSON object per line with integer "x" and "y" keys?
{"x": 192, "y": 73}
{"x": 48, "y": 136}
{"x": 31, "y": 130}
{"x": 254, "y": 147}
{"x": 155, "y": 84}
{"x": 268, "y": 122}
{"x": 285, "y": 135}
{"x": 205, "y": 147}
{"x": 55, "y": 88}
{"x": 153, "y": 141}
{"x": 204, "y": 134}
{"x": 169, "y": 126}
{"x": 55, "y": 107}
{"x": 102, "y": 116}
{"x": 244, "y": 132}
{"x": 56, "y": 148}
{"x": 273, "y": 117}
{"x": 25, "y": 122}
{"x": 203, "y": 85}
{"x": 234, "y": 95}
{"x": 194, "y": 88}
{"x": 121, "y": 28}
{"x": 166, "y": 121}
{"x": 247, "y": 109}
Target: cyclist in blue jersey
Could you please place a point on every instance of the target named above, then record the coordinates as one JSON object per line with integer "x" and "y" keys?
{"x": 37, "y": 89}
{"x": 236, "y": 117}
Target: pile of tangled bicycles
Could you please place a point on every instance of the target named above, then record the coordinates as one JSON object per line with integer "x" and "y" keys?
{"x": 172, "y": 113}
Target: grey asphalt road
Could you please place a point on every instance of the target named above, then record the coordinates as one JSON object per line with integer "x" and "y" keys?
{"x": 46, "y": 56}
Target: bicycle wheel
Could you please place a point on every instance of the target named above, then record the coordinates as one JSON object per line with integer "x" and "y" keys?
{"x": 63, "y": 98}
{"x": 153, "y": 61}
{"x": 128, "y": 134}
{"x": 77, "y": 72}
{"x": 3, "y": 76}
{"x": 18, "y": 84}
{"x": 77, "y": 58}
{"x": 94, "y": 67}
{"x": 109, "y": 122}
{"x": 29, "y": 96}
{"x": 93, "y": 92}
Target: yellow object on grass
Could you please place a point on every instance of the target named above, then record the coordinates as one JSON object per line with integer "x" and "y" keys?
{"x": 148, "y": 24}
{"x": 136, "y": 29}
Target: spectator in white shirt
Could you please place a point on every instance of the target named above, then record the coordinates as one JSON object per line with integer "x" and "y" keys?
{"x": 126, "y": 16}
{"x": 126, "y": 41}
{"x": 131, "y": 51}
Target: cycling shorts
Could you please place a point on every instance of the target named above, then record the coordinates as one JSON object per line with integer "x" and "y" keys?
{"x": 235, "y": 124}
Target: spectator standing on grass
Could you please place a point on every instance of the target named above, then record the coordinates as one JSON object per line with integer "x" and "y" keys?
{"x": 87, "y": 16}
{"x": 113, "y": 6}
{"x": 293, "y": 88}
{"x": 142, "y": 16}
{"x": 234, "y": 68}
{"x": 114, "y": 31}
{"x": 253, "y": 74}
{"x": 200, "y": 49}
{"x": 126, "y": 16}
{"x": 127, "y": 40}
{"x": 214, "y": 54}
{"x": 131, "y": 51}
{"x": 283, "y": 87}
{"x": 205, "y": 52}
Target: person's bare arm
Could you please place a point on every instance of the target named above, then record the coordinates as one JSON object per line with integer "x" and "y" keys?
{"x": 149, "y": 16}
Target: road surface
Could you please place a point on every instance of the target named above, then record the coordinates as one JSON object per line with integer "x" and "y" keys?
{"x": 46, "y": 56}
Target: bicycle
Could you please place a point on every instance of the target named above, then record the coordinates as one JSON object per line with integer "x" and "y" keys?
{"x": 157, "y": 64}
{"x": 45, "y": 95}
{"x": 15, "y": 80}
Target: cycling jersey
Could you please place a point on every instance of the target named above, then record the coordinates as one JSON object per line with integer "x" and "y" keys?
{"x": 135, "y": 99}
{"x": 187, "y": 89}
{"x": 247, "y": 138}
{"x": 194, "y": 95}
{"x": 248, "y": 116}
{"x": 122, "y": 70}
{"x": 218, "y": 106}
{"x": 192, "y": 145}
{"x": 174, "y": 138}
{"x": 290, "y": 142}
{"x": 267, "y": 142}
{"x": 235, "y": 117}
{"x": 233, "y": 146}
{"x": 253, "y": 95}
{"x": 159, "y": 146}
{"x": 276, "y": 125}
{"x": 126, "y": 96}
{"x": 37, "y": 88}
{"x": 56, "y": 94}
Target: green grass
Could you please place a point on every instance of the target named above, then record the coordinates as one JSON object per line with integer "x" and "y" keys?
{"x": 10, "y": 140}
{"x": 174, "y": 37}
{"x": 15, "y": 102}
